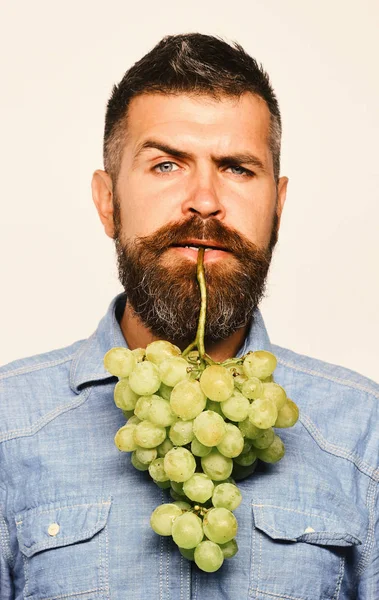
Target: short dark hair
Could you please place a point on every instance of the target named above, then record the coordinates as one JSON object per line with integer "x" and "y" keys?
{"x": 189, "y": 63}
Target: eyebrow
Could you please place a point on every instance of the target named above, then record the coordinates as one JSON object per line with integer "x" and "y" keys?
{"x": 231, "y": 159}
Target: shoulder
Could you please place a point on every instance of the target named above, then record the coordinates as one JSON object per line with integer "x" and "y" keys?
{"x": 35, "y": 388}
{"x": 338, "y": 407}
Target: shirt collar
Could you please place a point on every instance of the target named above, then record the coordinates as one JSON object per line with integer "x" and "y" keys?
{"x": 88, "y": 367}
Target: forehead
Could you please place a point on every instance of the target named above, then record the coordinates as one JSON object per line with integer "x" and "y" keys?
{"x": 201, "y": 122}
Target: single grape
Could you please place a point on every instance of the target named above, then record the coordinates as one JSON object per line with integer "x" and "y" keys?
{"x": 273, "y": 453}
{"x": 215, "y": 406}
{"x": 179, "y": 464}
{"x": 144, "y": 379}
{"x": 163, "y": 517}
{"x": 259, "y": 364}
{"x": 217, "y": 383}
{"x": 263, "y": 413}
{"x": 247, "y": 459}
{"x": 220, "y": 525}
{"x": 128, "y": 413}
{"x": 188, "y": 554}
{"x": 247, "y": 446}
{"x": 216, "y": 465}
{"x": 148, "y": 435}
{"x": 124, "y": 438}
{"x": 252, "y": 388}
{"x": 137, "y": 464}
{"x": 146, "y": 455}
{"x": 184, "y": 506}
{"x": 187, "y": 399}
{"x": 164, "y": 447}
{"x": 119, "y": 361}
{"x": 240, "y": 472}
{"x": 165, "y": 391}
{"x": 287, "y": 415}
{"x": 249, "y": 430}
{"x": 229, "y": 549}
{"x": 209, "y": 428}
{"x": 198, "y": 488}
{"x": 208, "y": 556}
{"x": 236, "y": 407}
{"x": 232, "y": 443}
{"x": 124, "y": 396}
{"x": 133, "y": 420}
{"x": 177, "y": 486}
{"x": 181, "y": 432}
{"x": 198, "y": 449}
{"x": 139, "y": 354}
{"x": 275, "y": 393}
{"x": 143, "y": 405}
{"x": 163, "y": 485}
{"x": 173, "y": 370}
{"x": 160, "y": 412}
{"x": 187, "y": 530}
{"x": 158, "y": 351}
{"x": 226, "y": 495}
{"x": 265, "y": 440}
{"x": 156, "y": 470}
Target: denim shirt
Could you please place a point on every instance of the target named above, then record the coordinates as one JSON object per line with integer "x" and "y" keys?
{"x": 74, "y": 513}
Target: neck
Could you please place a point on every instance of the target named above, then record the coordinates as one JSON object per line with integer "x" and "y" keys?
{"x": 138, "y": 336}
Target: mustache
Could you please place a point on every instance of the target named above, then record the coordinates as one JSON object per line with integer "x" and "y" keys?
{"x": 178, "y": 232}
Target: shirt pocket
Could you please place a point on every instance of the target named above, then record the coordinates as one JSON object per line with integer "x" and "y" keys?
{"x": 65, "y": 549}
{"x": 300, "y": 554}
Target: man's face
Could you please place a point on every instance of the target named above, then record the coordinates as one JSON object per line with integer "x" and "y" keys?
{"x": 195, "y": 171}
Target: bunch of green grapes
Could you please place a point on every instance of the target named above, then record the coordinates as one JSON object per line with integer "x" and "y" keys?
{"x": 198, "y": 427}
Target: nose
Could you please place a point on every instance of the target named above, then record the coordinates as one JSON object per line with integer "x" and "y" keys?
{"x": 203, "y": 195}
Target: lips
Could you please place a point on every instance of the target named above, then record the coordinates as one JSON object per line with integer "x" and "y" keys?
{"x": 196, "y": 244}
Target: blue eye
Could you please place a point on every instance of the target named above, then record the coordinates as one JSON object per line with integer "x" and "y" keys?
{"x": 166, "y": 167}
{"x": 238, "y": 170}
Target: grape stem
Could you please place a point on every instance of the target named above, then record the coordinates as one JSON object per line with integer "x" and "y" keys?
{"x": 199, "y": 340}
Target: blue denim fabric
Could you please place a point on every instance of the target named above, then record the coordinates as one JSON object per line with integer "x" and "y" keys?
{"x": 74, "y": 513}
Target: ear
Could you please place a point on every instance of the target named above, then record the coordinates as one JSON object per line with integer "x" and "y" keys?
{"x": 282, "y": 193}
{"x": 102, "y": 195}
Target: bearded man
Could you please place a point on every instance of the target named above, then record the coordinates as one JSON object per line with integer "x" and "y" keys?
{"x": 191, "y": 159}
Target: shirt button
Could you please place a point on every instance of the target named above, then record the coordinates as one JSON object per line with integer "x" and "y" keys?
{"x": 309, "y": 530}
{"x": 53, "y": 529}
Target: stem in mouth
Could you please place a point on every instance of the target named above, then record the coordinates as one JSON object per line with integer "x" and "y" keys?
{"x": 199, "y": 340}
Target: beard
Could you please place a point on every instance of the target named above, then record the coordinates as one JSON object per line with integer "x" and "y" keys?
{"x": 164, "y": 293}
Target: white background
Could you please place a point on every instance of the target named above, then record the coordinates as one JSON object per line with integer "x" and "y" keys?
{"x": 59, "y": 61}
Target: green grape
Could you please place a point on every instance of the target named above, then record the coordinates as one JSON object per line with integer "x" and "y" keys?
{"x": 173, "y": 370}
{"x": 163, "y": 518}
{"x": 188, "y": 554}
{"x": 181, "y": 432}
{"x": 143, "y": 405}
{"x": 209, "y": 428}
{"x": 134, "y": 420}
{"x": 124, "y": 438}
{"x": 265, "y": 440}
{"x": 156, "y": 470}
{"x": 177, "y": 486}
{"x": 249, "y": 430}
{"x": 164, "y": 447}
{"x": 187, "y": 399}
{"x": 146, "y": 455}
{"x": 160, "y": 412}
{"x": 183, "y": 505}
{"x": 275, "y": 393}
{"x": 216, "y": 465}
{"x": 247, "y": 459}
{"x": 144, "y": 379}
{"x": 119, "y": 361}
{"x": 217, "y": 383}
{"x": 287, "y": 415}
{"x": 165, "y": 391}
{"x": 139, "y": 354}
{"x": 208, "y": 556}
{"x": 148, "y": 435}
{"x": 247, "y": 446}
{"x": 128, "y": 414}
{"x": 187, "y": 530}
{"x": 215, "y": 406}
{"x": 198, "y": 488}
{"x": 273, "y": 453}
{"x": 240, "y": 472}
{"x": 163, "y": 485}
{"x": 226, "y": 495}
{"x": 229, "y": 549}
{"x": 220, "y": 525}
{"x": 179, "y": 464}
{"x": 259, "y": 364}
{"x": 232, "y": 443}
{"x": 177, "y": 497}
{"x": 236, "y": 407}
{"x": 158, "y": 351}
{"x": 198, "y": 449}
{"x": 124, "y": 396}
{"x": 263, "y": 413}
{"x": 252, "y": 388}
{"x": 137, "y": 464}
